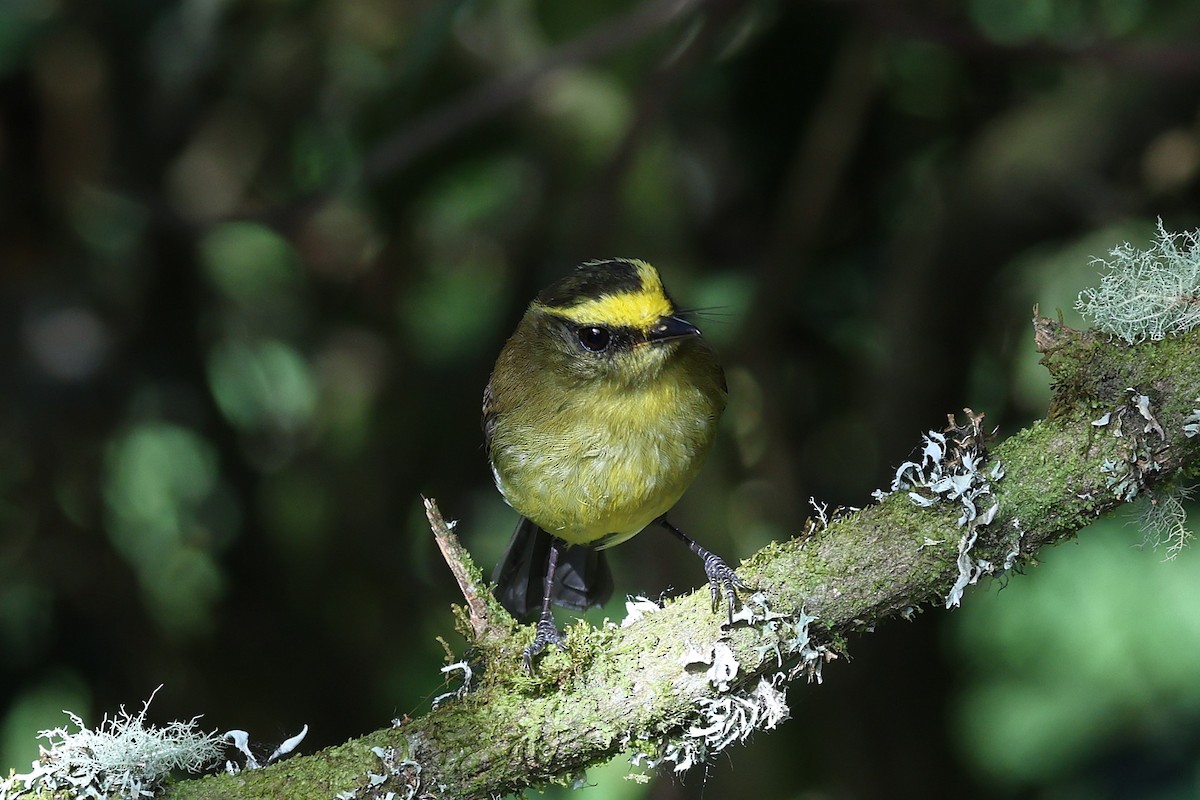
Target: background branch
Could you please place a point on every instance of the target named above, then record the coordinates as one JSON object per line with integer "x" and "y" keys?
{"x": 418, "y": 137}
{"x": 494, "y": 96}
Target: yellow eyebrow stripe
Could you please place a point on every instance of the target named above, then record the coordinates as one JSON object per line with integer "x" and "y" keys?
{"x": 638, "y": 310}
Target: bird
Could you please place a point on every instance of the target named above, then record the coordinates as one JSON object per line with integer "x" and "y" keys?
{"x": 598, "y": 415}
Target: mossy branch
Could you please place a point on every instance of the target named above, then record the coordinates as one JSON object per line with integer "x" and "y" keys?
{"x": 671, "y": 680}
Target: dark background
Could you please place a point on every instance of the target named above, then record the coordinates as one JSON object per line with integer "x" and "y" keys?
{"x": 257, "y": 258}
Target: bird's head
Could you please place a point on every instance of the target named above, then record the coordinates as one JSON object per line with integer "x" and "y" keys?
{"x": 608, "y": 320}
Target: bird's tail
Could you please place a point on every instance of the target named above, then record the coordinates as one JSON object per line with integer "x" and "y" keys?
{"x": 581, "y": 581}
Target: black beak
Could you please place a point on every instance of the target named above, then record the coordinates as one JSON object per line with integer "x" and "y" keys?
{"x": 669, "y": 328}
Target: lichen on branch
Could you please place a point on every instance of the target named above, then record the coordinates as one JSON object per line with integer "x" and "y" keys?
{"x": 680, "y": 676}
{"x": 1147, "y": 294}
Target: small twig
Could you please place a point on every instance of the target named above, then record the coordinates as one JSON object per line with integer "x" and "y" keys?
{"x": 1158, "y": 58}
{"x": 416, "y": 138}
{"x": 465, "y": 572}
{"x": 654, "y": 99}
{"x": 504, "y": 91}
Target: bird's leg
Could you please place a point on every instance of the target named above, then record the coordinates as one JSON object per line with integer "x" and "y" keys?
{"x": 721, "y": 576}
{"x": 547, "y": 632}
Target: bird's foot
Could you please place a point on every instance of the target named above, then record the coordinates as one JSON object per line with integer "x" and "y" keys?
{"x": 547, "y": 633}
{"x": 722, "y": 579}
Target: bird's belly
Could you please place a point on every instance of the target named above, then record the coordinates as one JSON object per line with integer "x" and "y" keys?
{"x": 603, "y": 482}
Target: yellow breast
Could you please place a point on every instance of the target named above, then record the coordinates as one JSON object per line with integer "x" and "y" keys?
{"x": 598, "y": 467}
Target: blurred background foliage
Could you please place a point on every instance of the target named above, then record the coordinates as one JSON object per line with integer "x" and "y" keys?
{"x": 258, "y": 256}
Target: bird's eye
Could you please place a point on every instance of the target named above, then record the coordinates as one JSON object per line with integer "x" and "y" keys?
{"x": 594, "y": 338}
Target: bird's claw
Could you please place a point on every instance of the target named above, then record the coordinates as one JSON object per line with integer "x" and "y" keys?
{"x": 722, "y": 579}
{"x": 546, "y": 634}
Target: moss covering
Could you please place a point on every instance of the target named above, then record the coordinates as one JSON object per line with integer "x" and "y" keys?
{"x": 617, "y": 688}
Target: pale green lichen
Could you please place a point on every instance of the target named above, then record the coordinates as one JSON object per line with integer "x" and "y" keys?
{"x": 461, "y": 691}
{"x": 734, "y": 713}
{"x": 122, "y": 758}
{"x": 1164, "y": 521}
{"x": 1122, "y": 480}
{"x": 394, "y": 771}
{"x": 951, "y": 470}
{"x": 1191, "y": 423}
{"x": 241, "y": 741}
{"x": 1127, "y": 477}
{"x": 637, "y": 607}
{"x": 722, "y": 721}
{"x": 722, "y": 665}
{"x": 1147, "y": 294}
